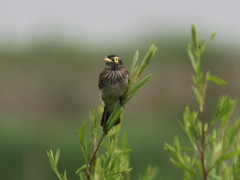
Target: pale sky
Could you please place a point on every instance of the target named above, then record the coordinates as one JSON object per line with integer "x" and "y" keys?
{"x": 117, "y": 19}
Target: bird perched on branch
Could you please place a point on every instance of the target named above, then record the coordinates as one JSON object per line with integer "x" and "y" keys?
{"x": 113, "y": 83}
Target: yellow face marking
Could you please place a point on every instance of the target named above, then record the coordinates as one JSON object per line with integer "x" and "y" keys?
{"x": 116, "y": 59}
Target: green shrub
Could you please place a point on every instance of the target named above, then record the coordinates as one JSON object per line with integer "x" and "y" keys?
{"x": 215, "y": 146}
{"x": 114, "y": 163}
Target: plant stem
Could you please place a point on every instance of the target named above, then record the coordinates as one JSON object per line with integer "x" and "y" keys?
{"x": 94, "y": 155}
{"x": 202, "y": 109}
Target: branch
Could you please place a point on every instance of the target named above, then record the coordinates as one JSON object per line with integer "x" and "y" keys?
{"x": 202, "y": 152}
{"x": 94, "y": 155}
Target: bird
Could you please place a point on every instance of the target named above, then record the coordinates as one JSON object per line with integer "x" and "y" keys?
{"x": 113, "y": 84}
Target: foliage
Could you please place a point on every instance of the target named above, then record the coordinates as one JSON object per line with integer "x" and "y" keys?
{"x": 114, "y": 163}
{"x": 214, "y": 149}
{"x": 54, "y": 162}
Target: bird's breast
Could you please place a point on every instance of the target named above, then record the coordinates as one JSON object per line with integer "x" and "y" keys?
{"x": 114, "y": 85}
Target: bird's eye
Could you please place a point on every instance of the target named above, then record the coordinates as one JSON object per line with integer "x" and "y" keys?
{"x": 116, "y": 59}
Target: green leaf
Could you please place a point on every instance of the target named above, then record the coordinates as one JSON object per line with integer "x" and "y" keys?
{"x": 216, "y": 79}
{"x": 231, "y": 136}
{"x": 184, "y": 167}
{"x": 146, "y": 60}
{"x": 197, "y": 95}
{"x": 150, "y": 173}
{"x": 51, "y": 160}
{"x": 81, "y": 168}
{"x": 199, "y": 78}
{"x": 190, "y": 128}
{"x": 134, "y": 62}
{"x": 83, "y": 142}
{"x": 132, "y": 91}
{"x": 113, "y": 117}
{"x": 50, "y": 157}
{"x": 82, "y": 176}
{"x": 171, "y": 150}
{"x": 107, "y": 161}
{"x": 194, "y": 36}
{"x": 205, "y": 43}
{"x": 225, "y": 157}
{"x": 233, "y": 133}
{"x": 64, "y": 177}
{"x": 225, "y": 107}
{"x": 54, "y": 162}
{"x": 236, "y": 171}
{"x": 57, "y": 155}
{"x": 191, "y": 56}
{"x": 114, "y": 162}
{"x": 120, "y": 172}
{"x": 125, "y": 143}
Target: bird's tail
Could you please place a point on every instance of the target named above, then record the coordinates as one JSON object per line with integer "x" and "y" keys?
{"x": 106, "y": 115}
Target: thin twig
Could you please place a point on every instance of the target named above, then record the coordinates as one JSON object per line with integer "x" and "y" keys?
{"x": 94, "y": 155}
{"x": 205, "y": 171}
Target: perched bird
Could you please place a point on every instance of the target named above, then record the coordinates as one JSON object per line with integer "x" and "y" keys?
{"x": 113, "y": 83}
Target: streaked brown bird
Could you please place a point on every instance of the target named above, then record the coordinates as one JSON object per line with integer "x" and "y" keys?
{"x": 113, "y": 83}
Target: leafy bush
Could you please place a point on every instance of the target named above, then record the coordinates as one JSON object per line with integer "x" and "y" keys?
{"x": 114, "y": 163}
{"x": 215, "y": 146}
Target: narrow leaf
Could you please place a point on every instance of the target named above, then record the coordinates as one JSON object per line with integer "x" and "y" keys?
{"x": 135, "y": 59}
{"x": 124, "y": 171}
{"x": 51, "y": 159}
{"x": 170, "y": 150}
{"x": 216, "y": 80}
{"x": 191, "y": 56}
{"x": 81, "y": 168}
{"x": 225, "y": 107}
{"x": 184, "y": 167}
{"x": 236, "y": 171}
{"x": 53, "y": 162}
{"x": 113, "y": 117}
{"x": 57, "y": 157}
{"x": 82, "y": 176}
{"x": 205, "y": 43}
{"x": 65, "y": 175}
{"x": 151, "y": 173}
{"x": 132, "y": 91}
{"x": 194, "y": 36}
{"x": 146, "y": 60}
{"x": 227, "y": 156}
{"x": 233, "y": 133}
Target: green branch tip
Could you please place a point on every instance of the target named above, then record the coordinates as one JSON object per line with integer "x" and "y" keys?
{"x": 194, "y": 36}
{"x": 151, "y": 51}
{"x": 134, "y": 62}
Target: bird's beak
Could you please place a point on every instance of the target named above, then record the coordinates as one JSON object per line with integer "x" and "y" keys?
{"x": 107, "y": 60}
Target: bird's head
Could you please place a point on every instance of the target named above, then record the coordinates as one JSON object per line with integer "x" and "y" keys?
{"x": 113, "y": 60}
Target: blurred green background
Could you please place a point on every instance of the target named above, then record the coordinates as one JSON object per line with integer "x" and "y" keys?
{"x": 49, "y": 82}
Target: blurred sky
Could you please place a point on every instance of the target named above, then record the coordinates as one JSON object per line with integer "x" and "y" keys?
{"x": 108, "y": 19}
